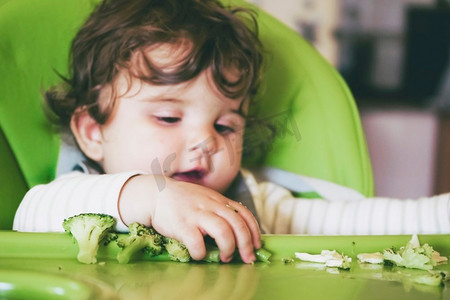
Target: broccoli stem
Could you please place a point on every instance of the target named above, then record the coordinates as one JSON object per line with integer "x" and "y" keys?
{"x": 124, "y": 256}
{"x": 212, "y": 255}
{"x": 87, "y": 257}
{"x": 263, "y": 255}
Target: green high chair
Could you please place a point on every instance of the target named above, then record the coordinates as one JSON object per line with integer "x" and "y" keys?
{"x": 322, "y": 136}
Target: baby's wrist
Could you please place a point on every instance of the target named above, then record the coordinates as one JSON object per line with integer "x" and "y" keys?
{"x": 137, "y": 200}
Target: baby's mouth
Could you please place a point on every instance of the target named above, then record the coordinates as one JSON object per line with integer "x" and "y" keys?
{"x": 193, "y": 176}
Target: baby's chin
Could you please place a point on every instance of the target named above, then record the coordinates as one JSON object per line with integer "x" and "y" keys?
{"x": 223, "y": 187}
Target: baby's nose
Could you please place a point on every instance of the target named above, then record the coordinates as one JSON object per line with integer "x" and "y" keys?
{"x": 207, "y": 146}
{"x": 201, "y": 137}
{"x": 202, "y": 145}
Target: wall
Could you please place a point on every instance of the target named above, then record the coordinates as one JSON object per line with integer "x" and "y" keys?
{"x": 402, "y": 139}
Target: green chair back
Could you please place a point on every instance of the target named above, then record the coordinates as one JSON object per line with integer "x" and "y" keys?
{"x": 322, "y": 134}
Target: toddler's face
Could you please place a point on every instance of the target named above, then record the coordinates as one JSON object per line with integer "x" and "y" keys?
{"x": 189, "y": 131}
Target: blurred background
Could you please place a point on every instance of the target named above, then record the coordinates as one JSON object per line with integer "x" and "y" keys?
{"x": 394, "y": 55}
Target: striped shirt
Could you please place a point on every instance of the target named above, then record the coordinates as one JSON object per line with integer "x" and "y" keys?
{"x": 44, "y": 208}
{"x": 282, "y": 213}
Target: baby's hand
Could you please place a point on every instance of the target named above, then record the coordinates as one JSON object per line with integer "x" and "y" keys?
{"x": 187, "y": 212}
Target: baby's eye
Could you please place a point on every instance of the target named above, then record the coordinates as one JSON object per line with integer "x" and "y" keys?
{"x": 168, "y": 120}
{"x": 223, "y": 129}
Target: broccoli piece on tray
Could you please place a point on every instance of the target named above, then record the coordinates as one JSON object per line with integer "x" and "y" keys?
{"x": 140, "y": 238}
{"x": 89, "y": 229}
{"x": 176, "y": 250}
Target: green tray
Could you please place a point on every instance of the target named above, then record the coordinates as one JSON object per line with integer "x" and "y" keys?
{"x": 43, "y": 266}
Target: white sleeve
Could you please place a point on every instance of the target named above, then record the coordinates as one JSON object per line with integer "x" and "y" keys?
{"x": 44, "y": 207}
{"x": 281, "y": 213}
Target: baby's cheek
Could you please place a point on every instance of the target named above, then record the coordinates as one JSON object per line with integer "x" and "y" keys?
{"x": 232, "y": 152}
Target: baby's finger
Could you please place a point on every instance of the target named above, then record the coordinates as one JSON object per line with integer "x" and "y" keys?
{"x": 241, "y": 232}
{"x": 251, "y": 222}
{"x": 217, "y": 228}
{"x": 193, "y": 240}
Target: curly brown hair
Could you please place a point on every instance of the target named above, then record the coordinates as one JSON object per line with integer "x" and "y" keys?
{"x": 221, "y": 39}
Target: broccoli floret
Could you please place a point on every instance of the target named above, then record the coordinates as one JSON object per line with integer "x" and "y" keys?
{"x": 89, "y": 229}
{"x": 109, "y": 237}
{"x": 141, "y": 238}
{"x": 151, "y": 242}
{"x": 176, "y": 250}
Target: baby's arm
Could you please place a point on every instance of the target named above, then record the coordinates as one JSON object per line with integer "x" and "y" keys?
{"x": 44, "y": 207}
{"x": 187, "y": 212}
{"x": 280, "y": 212}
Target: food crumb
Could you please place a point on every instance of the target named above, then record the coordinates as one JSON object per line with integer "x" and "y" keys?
{"x": 287, "y": 260}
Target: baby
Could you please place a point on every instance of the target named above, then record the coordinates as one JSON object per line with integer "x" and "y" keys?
{"x": 157, "y": 101}
{"x": 158, "y": 97}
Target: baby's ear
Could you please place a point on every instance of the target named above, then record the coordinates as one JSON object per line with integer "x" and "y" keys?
{"x": 88, "y": 134}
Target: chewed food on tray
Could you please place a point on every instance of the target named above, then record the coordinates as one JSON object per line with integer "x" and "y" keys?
{"x": 327, "y": 257}
{"x": 371, "y": 258}
{"x": 412, "y": 255}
